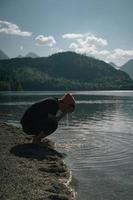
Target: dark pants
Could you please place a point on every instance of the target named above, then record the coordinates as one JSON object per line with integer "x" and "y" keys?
{"x": 48, "y": 126}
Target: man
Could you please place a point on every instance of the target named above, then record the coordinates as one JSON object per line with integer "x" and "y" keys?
{"x": 42, "y": 118}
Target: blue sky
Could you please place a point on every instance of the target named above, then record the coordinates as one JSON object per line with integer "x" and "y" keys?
{"x": 98, "y": 28}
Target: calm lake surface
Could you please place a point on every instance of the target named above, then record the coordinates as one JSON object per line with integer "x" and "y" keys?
{"x": 97, "y": 138}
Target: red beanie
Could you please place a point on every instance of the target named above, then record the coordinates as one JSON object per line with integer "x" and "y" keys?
{"x": 68, "y": 99}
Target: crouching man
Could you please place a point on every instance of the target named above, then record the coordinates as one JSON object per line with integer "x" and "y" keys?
{"x": 41, "y": 119}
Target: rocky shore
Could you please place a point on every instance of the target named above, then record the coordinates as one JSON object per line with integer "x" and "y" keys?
{"x": 31, "y": 172}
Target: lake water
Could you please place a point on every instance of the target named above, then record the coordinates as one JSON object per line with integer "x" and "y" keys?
{"x": 97, "y": 138}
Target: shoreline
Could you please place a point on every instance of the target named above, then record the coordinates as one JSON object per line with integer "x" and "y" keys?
{"x": 31, "y": 172}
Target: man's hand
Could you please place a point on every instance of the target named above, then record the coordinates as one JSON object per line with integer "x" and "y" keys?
{"x": 68, "y": 109}
{"x": 58, "y": 117}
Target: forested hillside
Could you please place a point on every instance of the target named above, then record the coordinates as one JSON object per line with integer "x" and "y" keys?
{"x": 62, "y": 71}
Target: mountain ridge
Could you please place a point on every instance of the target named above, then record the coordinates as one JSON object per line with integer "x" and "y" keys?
{"x": 128, "y": 68}
{"x": 31, "y": 55}
{"x": 62, "y": 71}
{"x": 3, "y": 55}
{"x": 114, "y": 65}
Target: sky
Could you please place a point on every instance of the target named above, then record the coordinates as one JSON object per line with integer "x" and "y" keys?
{"x": 98, "y": 28}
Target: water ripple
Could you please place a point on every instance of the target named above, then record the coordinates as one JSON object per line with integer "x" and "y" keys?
{"x": 100, "y": 149}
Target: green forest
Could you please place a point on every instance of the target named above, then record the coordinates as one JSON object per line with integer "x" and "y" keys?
{"x": 61, "y": 71}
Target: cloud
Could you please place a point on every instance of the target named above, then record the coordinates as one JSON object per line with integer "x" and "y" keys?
{"x": 43, "y": 40}
{"x": 96, "y": 40}
{"x": 90, "y": 50}
{"x": 57, "y": 50}
{"x": 121, "y": 53}
{"x": 12, "y": 29}
{"x": 87, "y": 43}
{"x": 86, "y": 39}
{"x": 91, "y": 45}
{"x": 83, "y": 49}
{"x": 72, "y": 36}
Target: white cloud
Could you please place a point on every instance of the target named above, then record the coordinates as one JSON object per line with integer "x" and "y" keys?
{"x": 57, "y": 50}
{"x": 93, "y": 51}
{"x": 74, "y": 46}
{"x": 72, "y": 36}
{"x": 103, "y": 52}
{"x": 121, "y": 53}
{"x": 88, "y": 44}
{"x": 96, "y": 40}
{"x": 12, "y": 29}
{"x": 119, "y": 56}
{"x": 43, "y": 40}
{"x": 91, "y": 45}
{"x": 83, "y": 49}
{"x": 86, "y": 38}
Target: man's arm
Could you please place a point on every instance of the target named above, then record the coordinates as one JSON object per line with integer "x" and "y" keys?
{"x": 58, "y": 117}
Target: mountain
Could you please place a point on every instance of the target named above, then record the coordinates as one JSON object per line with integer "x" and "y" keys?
{"x": 128, "y": 68}
{"x": 31, "y": 55}
{"x": 114, "y": 65}
{"x": 19, "y": 56}
{"x": 61, "y": 71}
{"x": 3, "y": 55}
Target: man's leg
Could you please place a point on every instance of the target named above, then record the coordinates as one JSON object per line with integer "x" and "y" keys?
{"x": 37, "y": 138}
{"x": 49, "y": 126}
